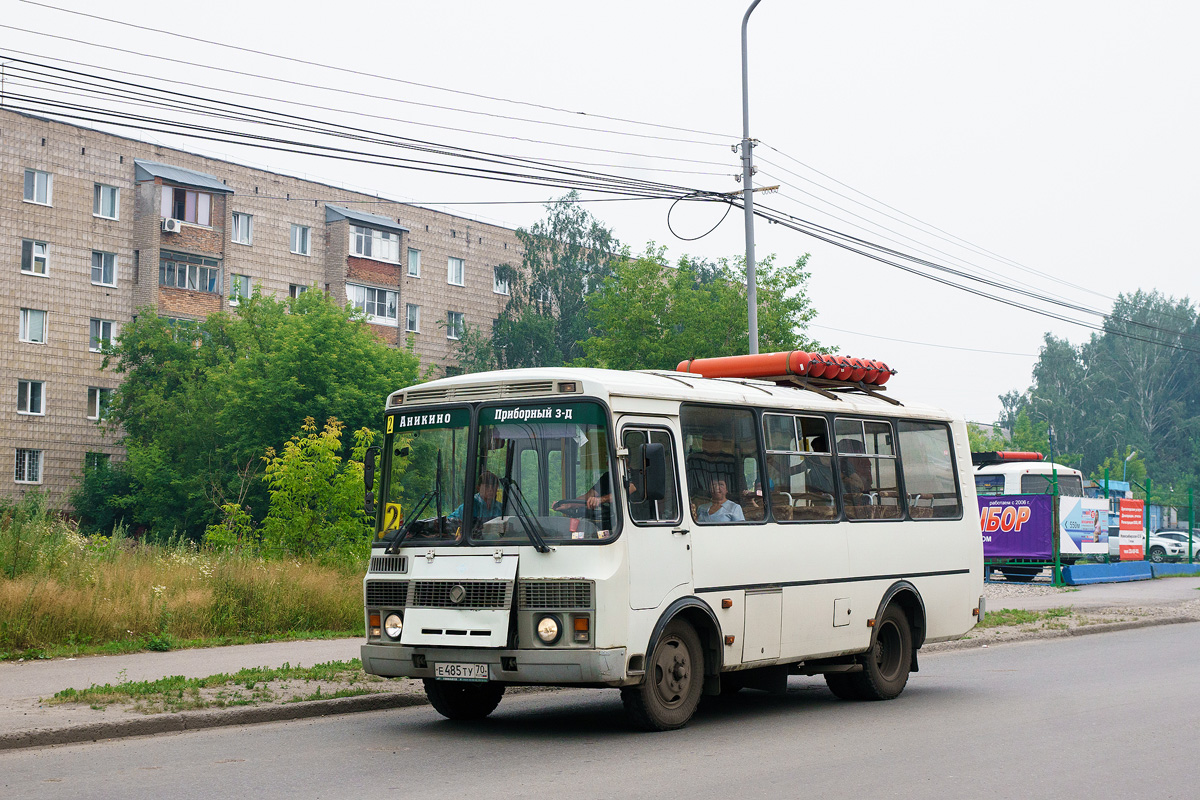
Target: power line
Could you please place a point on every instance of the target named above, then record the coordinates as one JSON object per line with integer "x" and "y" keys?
{"x": 384, "y": 77}
{"x": 675, "y": 140}
{"x": 922, "y": 344}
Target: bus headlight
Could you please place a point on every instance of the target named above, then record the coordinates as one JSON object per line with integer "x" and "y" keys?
{"x": 393, "y": 626}
{"x": 548, "y": 629}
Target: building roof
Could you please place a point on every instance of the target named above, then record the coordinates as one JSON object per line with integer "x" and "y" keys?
{"x": 334, "y": 213}
{"x": 145, "y": 170}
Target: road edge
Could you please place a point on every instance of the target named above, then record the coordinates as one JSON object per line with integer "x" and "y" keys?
{"x": 199, "y": 720}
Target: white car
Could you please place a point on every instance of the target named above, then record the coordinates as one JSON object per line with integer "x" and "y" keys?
{"x": 1181, "y": 538}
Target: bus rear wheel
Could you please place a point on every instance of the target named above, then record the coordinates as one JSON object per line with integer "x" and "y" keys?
{"x": 463, "y": 701}
{"x": 885, "y": 665}
{"x": 668, "y": 696}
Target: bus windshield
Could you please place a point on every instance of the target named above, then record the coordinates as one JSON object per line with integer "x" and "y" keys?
{"x": 551, "y": 466}
{"x": 424, "y": 474}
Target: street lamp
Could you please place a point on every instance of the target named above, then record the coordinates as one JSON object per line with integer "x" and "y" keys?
{"x": 748, "y": 189}
{"x": 1125, "y": 466}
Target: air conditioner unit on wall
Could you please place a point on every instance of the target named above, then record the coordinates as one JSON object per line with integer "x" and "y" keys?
{"x": 171, "y": 225}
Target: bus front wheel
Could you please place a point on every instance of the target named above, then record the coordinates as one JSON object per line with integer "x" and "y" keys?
{"x": 668, "y": 696}
{"x": 463, "y": 701}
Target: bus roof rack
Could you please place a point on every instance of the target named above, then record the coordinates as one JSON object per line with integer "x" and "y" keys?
{"x": 1004, "y": 457}
{"x": 815, "y": 372}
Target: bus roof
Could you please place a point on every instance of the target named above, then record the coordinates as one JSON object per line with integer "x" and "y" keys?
{"x": 545, "y": 383}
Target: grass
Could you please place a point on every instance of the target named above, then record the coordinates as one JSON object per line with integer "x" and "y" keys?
{"x": 1014, "y": 616}
{"x": 63, "y": 593}
{"x": 243, "y": 688}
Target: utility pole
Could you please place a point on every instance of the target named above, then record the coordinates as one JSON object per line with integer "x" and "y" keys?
{"x": 748, "y": 190}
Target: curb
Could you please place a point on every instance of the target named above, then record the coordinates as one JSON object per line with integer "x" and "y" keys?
{"x": 198, "y": 720}
{"x": 1086, "y": 630}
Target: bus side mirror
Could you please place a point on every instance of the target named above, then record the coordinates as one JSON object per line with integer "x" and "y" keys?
{"x": 653, "y": 471}
{"x": 369, "y": 479}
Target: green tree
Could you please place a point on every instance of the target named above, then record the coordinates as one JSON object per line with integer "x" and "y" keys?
{"x": 650, "y": 315}
{"x": 986, "y": 440}
{"x": 1119, "y": 469}
{"x": 202, "y": 401}
{"x": 566, "y": 256}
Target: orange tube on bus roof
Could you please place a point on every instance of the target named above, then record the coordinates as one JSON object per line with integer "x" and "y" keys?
{"x": 758, "y": 365}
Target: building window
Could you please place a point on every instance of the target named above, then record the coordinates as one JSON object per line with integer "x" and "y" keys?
{"x": 456, "y": 271}
{"x": 95, "y": 461}
{"x": 379, "y": 245}
{"x": 106, "y": 201}
{"x": 187, "y": 205}
{"x": 378, "y": 304}
{"x": 34, "y": 257}
{"x": 454, "y": 324}
{"x": 412, "y": 318}
{"x": 296, "y": 289}
{"x": 414, "y": 263}
{"x": 239, "y": 289}
{"x": 33, "y": 326}
{"x": 185, "y": 271}
{"x": 300, "y": 239}
{"x": 98, "y": 402}
{"x": 104, "y": 268}
{"x": 30, "y": 397}
{"x": 39, "y": 187}
{"x": 499, "y": 281}
{"x": 102, "y": 332}
{"x": 242, "y": 228}
{"x": 29, "y": 466}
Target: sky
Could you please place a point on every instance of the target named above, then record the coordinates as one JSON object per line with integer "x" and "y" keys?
{"x": 1049, "y": 145}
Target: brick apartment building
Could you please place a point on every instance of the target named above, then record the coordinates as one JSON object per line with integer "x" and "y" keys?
{"x": 96, "y": 226}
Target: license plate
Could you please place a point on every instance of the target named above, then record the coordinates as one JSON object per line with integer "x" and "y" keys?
{"x": 461, "y": 672}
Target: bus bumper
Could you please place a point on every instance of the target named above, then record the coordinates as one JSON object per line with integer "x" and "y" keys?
{"x": 546, "y": 666}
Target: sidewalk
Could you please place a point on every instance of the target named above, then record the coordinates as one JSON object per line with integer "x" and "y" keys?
{"x": 25, "y": 721}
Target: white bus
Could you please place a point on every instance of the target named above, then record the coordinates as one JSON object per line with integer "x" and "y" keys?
{"x": 1011, "y": 472}
{"x": 666, "y": 534}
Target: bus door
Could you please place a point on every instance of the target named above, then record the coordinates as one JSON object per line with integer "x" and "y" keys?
{"x": 658, "y": 544}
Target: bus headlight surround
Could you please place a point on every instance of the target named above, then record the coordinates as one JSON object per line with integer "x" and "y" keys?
{"x": 548, "y": 629}
{"x": 393, "y": 626}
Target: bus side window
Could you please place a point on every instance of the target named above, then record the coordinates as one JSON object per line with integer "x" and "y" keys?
{"x": 799, "y": 468}
{"x": 722, "y": 463}
{"x": 867, "y": 465}
{"x": 929, "y": 480}
{"x": 665, "y": 511}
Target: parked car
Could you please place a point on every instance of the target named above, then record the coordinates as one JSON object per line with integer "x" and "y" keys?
{"x": 1163, "y": 548}
{"x": 1182, "y": 538}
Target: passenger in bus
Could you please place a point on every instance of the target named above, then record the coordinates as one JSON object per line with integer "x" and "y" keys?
{"x": 721, "y": 509}
{"x": 485, "y": 505}
{"x": 856, "y": 475}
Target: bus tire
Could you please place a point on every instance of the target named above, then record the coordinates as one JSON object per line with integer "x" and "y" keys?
{"x": 463, "y": 701}
{"x": 843, "y": 685}
{"x": 667, "y": 697}
{"x": 887, "y": 663}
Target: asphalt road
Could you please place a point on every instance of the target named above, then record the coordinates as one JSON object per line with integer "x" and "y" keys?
{"x": 1110, "y": 715}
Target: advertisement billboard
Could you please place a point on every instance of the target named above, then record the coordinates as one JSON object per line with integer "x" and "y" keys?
{"x": 1133, "y": 529}
{"x": 1017, "y": 526}
{"x": 1082, "y": 526}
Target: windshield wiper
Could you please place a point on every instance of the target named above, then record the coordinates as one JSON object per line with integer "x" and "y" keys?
{"x": 525, "y": 515}
{"x": 393, "y": 546}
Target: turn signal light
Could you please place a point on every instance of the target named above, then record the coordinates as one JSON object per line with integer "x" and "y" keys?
{"x": 726, "y": 603}
{"x": 582, "y": 629}
{"x": 373, "y": 623}
{"x": 728, "y": 640}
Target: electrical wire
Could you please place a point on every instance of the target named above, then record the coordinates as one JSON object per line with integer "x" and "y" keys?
{"x": 361, "y": 73}
{"x": 921, "y": 344}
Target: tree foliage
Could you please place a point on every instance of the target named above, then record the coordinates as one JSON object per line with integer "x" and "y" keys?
{"x": 566, "y": 256}
{"x": 650, "y": 315}
{"x": 1133, "y": 386}
{"x": 201, "y": 402}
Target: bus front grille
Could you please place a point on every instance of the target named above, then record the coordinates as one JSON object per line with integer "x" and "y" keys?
{"x": 461, "y": 594}
{"x": 485, "y": 391}
{"x": 389, "y": 564}
{"x": 555, "y": 595}
{"x": 387, "y": 594}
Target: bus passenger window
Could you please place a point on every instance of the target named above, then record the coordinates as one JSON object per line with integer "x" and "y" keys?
{"x": 799, "y": 468}
{"x": 929, "y": 480}
{"x": 867, "y": 466}
{"x": 722, "y": 464}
